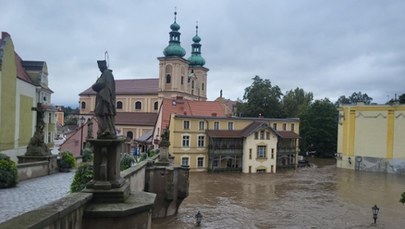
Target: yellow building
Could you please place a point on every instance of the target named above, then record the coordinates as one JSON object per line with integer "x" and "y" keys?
{"x": 23, "y": 89}
{"x": 371, "y": 137}
{"x": 250, "y": 145}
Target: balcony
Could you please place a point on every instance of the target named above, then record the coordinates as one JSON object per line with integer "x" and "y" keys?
{"x": 218, "y": 152}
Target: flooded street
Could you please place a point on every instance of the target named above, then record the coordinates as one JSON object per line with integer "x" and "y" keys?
{"x": 318, "y": 197}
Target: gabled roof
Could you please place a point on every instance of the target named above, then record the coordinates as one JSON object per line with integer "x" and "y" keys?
{"x": 253, "y": 127}
{"x": 190, "y": 107}
{"x": 131, "y": 87}
{"x": 136, "y": 118}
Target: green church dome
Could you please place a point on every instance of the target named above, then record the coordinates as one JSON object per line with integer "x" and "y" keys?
{"x": 196, "y": 59}
{"x": 174, "y": 48}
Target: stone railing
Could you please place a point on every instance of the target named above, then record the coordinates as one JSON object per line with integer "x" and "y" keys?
{"x": 67, "y": 212}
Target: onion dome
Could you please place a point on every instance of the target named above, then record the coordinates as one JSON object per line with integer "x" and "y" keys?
{"x": 174, "y": 48}
{"x": 196, "y": 59}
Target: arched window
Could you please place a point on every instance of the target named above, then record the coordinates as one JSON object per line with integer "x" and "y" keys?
{"x": 168, "y": 78}
{"x": 130, "y": 135}
{"x": 202, "y": 86}
{"x": 83, "y": 105}
{"x": 138, "y": 105}
{"x": 155, "y": 106}
{"x": 119, "y": 105}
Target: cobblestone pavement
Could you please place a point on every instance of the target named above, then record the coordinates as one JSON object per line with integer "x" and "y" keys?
{"x": 33, "y": 193}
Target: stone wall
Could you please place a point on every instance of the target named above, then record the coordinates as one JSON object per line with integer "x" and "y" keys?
{"x": 67, "y": 212}
{"x": 32, "y": 169}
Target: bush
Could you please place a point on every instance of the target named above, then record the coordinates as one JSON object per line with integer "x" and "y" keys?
{"x": 67, "y": 160}
{"x": 87, "y": 155}
{"x": 153, "y": 152}
{"x": 126, "y": 161}
{"x": 8, "y": 172}
{"x": 83, "y": 175}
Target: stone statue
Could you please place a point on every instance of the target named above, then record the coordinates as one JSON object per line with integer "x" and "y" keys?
{"x": 90, "y": 129}
{"x": 165, "y": 138}
{"x": 105, "y": 102}
{"x": 37, "y": 146}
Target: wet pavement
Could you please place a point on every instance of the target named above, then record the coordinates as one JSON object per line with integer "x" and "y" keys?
{"x": 318, "y": 197}
{"x": 33, "y": 193}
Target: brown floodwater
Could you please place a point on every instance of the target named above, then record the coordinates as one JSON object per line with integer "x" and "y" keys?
{"x": 321, "y": 196}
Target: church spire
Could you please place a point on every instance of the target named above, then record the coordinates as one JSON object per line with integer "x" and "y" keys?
{"x": 196, "y": 59}
{"x": 174, "y": 48}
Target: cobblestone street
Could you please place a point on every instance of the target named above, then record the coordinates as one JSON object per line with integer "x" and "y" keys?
{"x": 33, "y": 193}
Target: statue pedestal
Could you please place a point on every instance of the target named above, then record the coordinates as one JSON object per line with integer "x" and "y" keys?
{"x": 52, "y": 161}
{"x": 107, "y": 185}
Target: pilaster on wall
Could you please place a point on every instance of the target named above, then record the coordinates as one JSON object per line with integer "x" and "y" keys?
{"x": 352, "y": 131}
{"x": 390, "y": 134}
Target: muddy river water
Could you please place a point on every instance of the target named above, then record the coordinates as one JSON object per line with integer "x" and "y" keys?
{"x": 321, "y": 196}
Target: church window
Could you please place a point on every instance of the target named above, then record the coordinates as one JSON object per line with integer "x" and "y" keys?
{"x": 119, "y": 105}
{"x": 83, "y": 105}
{"x": 138, "y": 105}
{"x": 155, "y": 106}
{"x": 202, "y": 86}
{"x": 168, "y": 78}
{"x": 182, "y": 79}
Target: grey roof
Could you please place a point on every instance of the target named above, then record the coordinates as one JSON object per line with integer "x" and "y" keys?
{"x": 131, "y": 87}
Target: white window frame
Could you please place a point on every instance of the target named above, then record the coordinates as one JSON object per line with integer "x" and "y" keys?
{"x": 183, "y": 140}
{"x": 199, "y": 141}
{"x": 203, "y": 162}
{"x": 188, "y": 160}
{"x": 186, "y": 124}
{"x": 201, "y": 125}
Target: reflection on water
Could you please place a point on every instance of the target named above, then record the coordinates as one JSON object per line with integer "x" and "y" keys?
{"x": 318, "y": 197}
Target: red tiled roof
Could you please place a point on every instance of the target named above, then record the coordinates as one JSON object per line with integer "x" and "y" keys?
{"x": 131, "y": 87}
{"x": 287, "y": 134}
{"x": 189, "y": 107}
{"x": 136, "y": 118}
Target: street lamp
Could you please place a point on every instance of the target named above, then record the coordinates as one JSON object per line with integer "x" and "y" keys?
{"x": 375, "y": 210}
{"x": 198, "y": 218}
{"x": 82, "y": 119}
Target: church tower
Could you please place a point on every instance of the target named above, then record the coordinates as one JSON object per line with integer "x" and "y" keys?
{"x": 197, "y": 71}
{"x": 179, "y": 77}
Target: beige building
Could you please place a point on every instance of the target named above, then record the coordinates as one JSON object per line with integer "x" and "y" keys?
{"x": 250, "y": 145}
{"x": 371, "y": 138}
{"x": 178, "y": 78}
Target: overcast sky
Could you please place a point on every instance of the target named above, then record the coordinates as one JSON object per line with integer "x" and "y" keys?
{"x": 329, "y": 48}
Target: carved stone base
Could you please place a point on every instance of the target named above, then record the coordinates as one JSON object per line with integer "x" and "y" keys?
{"x": 115, "y": 195}
{"x": 135, "y": 212}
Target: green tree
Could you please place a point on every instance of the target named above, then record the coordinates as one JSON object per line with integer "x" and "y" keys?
{"x": 67, "y": 111}
{"x": 261, "y": 99}
{"x": 319, "y": 128}
{"x": 296, "y": 102}
{"x": 402, "y": 98}
{"x": 356, "y": 97}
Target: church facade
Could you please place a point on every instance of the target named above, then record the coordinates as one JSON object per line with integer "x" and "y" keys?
{"x": 178, "y": 78}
